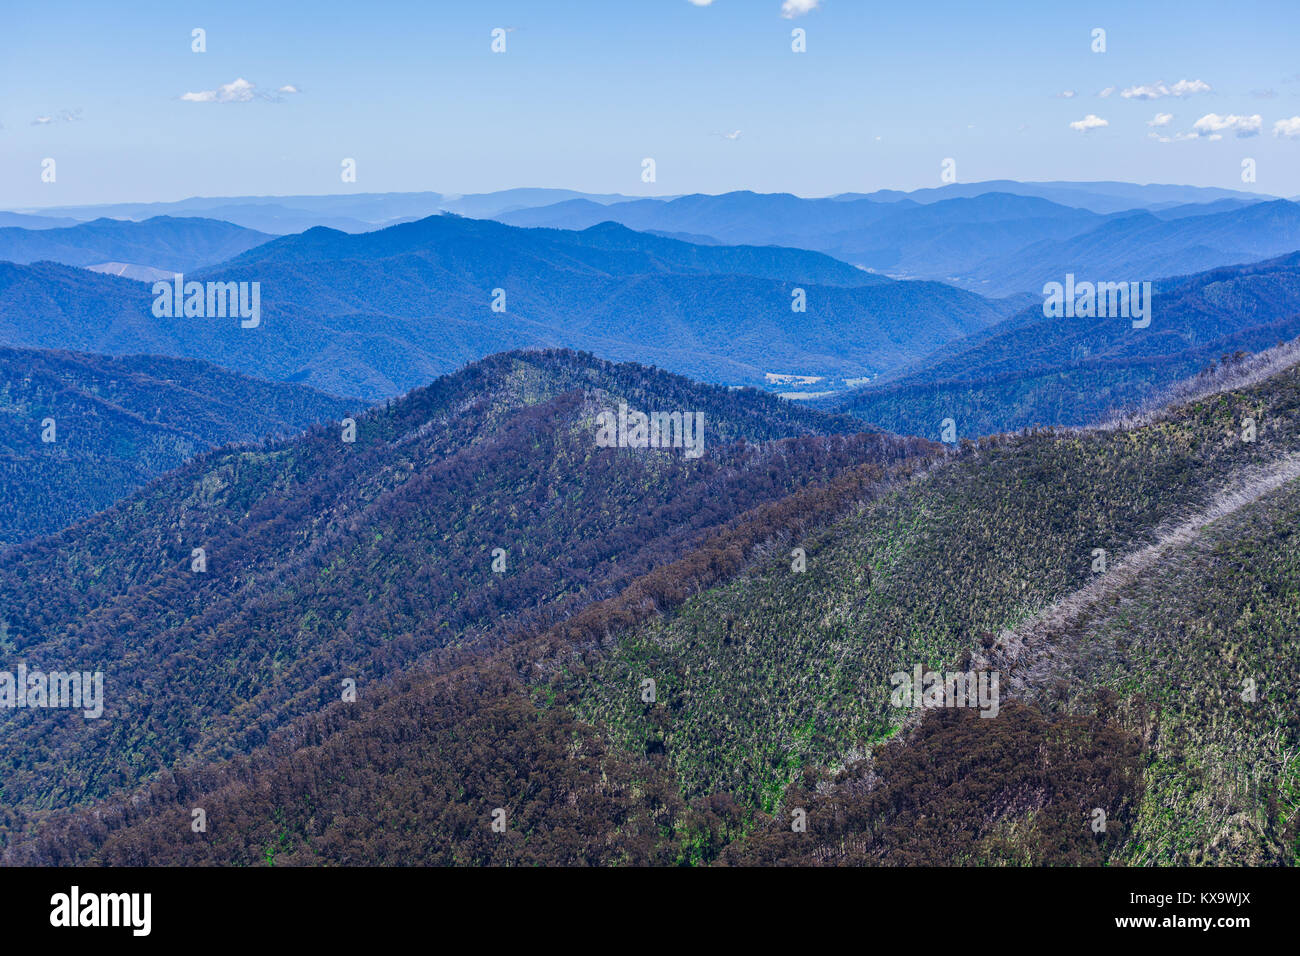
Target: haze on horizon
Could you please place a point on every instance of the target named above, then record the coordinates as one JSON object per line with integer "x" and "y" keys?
{"x": 582, "y": 94}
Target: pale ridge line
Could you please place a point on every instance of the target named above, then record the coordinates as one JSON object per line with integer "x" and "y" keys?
{"x": 1033, "y": 633}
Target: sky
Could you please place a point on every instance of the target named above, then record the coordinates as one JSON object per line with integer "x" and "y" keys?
{"x": 585, "y": 90}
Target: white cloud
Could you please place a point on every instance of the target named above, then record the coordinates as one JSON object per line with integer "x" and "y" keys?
{"x": 1188, "y": 87}
{"x": 1289, "y": 128}
{"x": 1213, "y": 125}
{"x": 1065, "y": 95}
{"x": 288, "y": 88}
{"x": 734, "y": 134}
{"x": 1106, "y": 92}
{"x": 700, "y": 3}
{"x": 238, "y": 91}
{"x": 1154, "y": 91}
{"x": 63, "y": 116}
{"x": 797, "y": 8}
{"x": 1161, "y": 119}
{"x": 1146, "y": 92}
{"x": 1089, "y": 122}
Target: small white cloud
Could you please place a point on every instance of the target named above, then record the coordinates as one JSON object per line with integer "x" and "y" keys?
{"x": 1154, "y": 91}
{"x": 1188, "y": 87}
{"x": 288, "y": 88}
{"x": 237, "y": 91}
{"x": 797, "y": 8}
{"x": 1089, "y": 122}
{"x": 734, "y": 134}
{"x": 700, "y": 3}
{"x": 1290, "y": 128}
{"x": 1161, "y": 119}
{"x": 63, "y": 116}
{"x": 1145, "y": 92}
{"x": 1212, "y": 125}
{"x": 1065, "y": 95}
{"x": 1106, "y": 92}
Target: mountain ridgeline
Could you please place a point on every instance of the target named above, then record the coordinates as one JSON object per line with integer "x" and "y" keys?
{"x": 994, "y": 241}
{"x": 79, "y": 432}
{"x": 162, "y": 243}
{"x": 485, "y": 544}
{"x": 1034, "y": 371}
{"x": 460, "y": 516}
{"x": 767, "y": 591}
{"x": 376, "y": 314}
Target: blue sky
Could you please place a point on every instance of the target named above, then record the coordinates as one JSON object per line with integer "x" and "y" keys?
{"x": 585, "y": 90}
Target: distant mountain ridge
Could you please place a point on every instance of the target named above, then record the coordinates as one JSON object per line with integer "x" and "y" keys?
{"x": 1099, "y": 196}
{"x": 79, "y": 432}
{"x": 1030, "y": 370}
{"x": 1148, "y": 245}
{"x": 378, "y": 313}
{"x": 161, "y": 243}
{"x": 994, "y": 243}
{"x": 348, "y": 212}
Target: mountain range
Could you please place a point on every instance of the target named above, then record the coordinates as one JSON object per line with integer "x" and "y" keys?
{"x": 79, "y": 432}
{"x": 349, "y": 212}
{"x": 163, "y": 244}
{"x": 388, "y": 578}
{"x": 522, "y": 695}
{"x": 1034, "y": 371}
{"x": 994, "y": 243}
{"x": 458, "y": 516}
{"x": 376, "y": 314}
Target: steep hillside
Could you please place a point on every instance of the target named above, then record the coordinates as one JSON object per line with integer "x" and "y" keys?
{"x": 1031, "y": 370}
{"x": 79, "y": 432}
{"x": 772, "y": 685}
{"x": 324, "y": 560}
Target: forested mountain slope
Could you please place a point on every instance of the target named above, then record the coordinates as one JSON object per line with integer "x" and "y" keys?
{"x": 1035, "y": 371}
{"x": 772, "y": 685}
{"x": 465, "y": 513}
{"x": 377, "y": 314}
{"x": 79, "y": 432}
